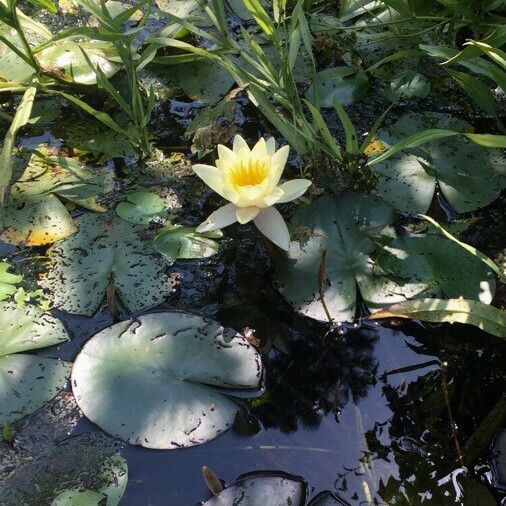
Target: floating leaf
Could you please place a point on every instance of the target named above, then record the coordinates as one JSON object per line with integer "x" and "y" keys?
{"x": 153, "y": 381}
{"x": 204, "y": 80}
{"x": 406, "y": 85}
{"x": 261, "y": 488}
{"x": 457, "y": 165}
{"x": 28, "y": 381}
{"x": 65, "y": 177}
{"x": 177, "y": 242}
{"x": 471, "y": 312}
{"x": 8, "y": 281}
{"x": 338, "y": 232}
{"x": 189, "y": 10}
{"x": 66, "y": 58}
{"x": 78, "y": 497}
{"x": 142, "y": 208}
{"x": 344, "y": 84}
{"x": 327, "y": 498}
{"x": 114, "y": 476}
{"x": 35, "y": 221}
{"x": 432, "y": 266}
{"x": 105, "y": 248}
{"x": 346, "y": 245}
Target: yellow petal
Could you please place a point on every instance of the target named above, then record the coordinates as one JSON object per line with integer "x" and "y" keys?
{"x": 239, "y": 145}
{"x": 221, "y": 218}
{"x": 212, "y": 177}
{"x": 273, "y": 226}
{"x": 293, "y": 189}
{"x": 245, "y": 214}
{"x": 278, "y": 162}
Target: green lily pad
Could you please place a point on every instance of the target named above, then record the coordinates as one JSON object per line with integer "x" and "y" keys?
{"x": 154, "y": 380}
{"x": 344, "y": 84}
{"x": 432, "y": 266}
{"x": 406, "y": 85}
{"x": 65, "y": 177}
{"x": 345, "y": 229}
{"x": 8, "y": 281}
{"x": 189, "y": 10}
{"x": 78, "y": 497}
{"x": 261, "y": 488}
{"x": 348, "y": 245}
{"x": 113, "y": 474}
{"x": 35, "y": 221}
{"x": 66, "y": 58}
{"x": 177, "y": 242}
{"x": 105, "y": 249}
{"x": 28, "y": 381}
{"x": 204, "y": 81}
{"x": 142, "y": 208}
{"x": 456, "y": 165}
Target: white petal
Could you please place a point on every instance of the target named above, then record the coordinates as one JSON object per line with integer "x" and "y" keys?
{"x": 278, "y": 162}
{"x": 239, "y": 144}
{"x": 293, "y": 189}
{"x": 273, "y": 226}
{"x": 221, "y": 218}
{"x": 212, "y": 177}
{"x": 245, "y": 214}
{"x": 226, "y": 155}
{"x": 259, "y": 149}
{"x": 272, "y": 198}
{"x": 270, "y": 145}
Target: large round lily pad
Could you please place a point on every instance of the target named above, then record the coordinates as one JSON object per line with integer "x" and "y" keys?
{"x": 105, "y": 249}
{"x": 153, "y": 381}
{"x": 28, "y": 381}
{"x": 469, "y": 176}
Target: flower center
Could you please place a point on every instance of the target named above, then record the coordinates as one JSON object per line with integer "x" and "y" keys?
{"x": 249, "y": 171}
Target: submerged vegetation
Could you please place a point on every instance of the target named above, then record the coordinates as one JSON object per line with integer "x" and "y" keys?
{"x": 376, "y": 184}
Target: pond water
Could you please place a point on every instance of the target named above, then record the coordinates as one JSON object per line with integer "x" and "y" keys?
{"x": 362, "y": 410}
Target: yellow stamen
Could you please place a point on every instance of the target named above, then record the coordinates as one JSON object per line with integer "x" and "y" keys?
{"x": 248, "y": 171}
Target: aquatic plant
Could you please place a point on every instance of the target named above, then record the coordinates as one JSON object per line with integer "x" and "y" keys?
{"x": 249, "y": 179}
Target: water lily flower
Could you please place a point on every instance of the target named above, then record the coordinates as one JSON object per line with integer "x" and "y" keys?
{"x": 249, "y": 180}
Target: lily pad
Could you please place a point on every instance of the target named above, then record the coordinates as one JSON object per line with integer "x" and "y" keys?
{"x": 114, "y": 476}
{"x": 65, "y": 177}
{"x": 28, "y": 381}
{"x": 339, "y": 233}
{"x": 189, "y": 10}
{"x": 344, "y": 84}
{"x": 261, "y": 488}
{"x": 408, "y": 84}
{"x": 177, "y": 242}
{"x": 8, "y": 281}
{"x": 347, "y": 247}
{"x": 142, "y": 208}
{"x": 204, "y": 81}
{"x": 105, "y": 249}
{"x": 455, "y": 165}
{"x": 154, "y": 380}
{"x": 35, "y": 221}
{"x": 65, "y": 58}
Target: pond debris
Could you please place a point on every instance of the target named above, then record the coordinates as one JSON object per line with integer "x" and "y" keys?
{"x": 213, "y": 483}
